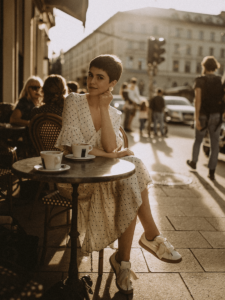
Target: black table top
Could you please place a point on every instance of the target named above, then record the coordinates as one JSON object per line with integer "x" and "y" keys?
{"x": 9, "y": 127}
{"x": 100, "y": 169}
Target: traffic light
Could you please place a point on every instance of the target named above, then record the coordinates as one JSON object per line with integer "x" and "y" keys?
{"x": 155, "y": 50}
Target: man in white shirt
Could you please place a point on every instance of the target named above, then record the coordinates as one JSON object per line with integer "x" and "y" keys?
{"x": 134, "y": 96}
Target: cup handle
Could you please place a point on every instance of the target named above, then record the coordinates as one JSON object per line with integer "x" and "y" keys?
{"x": 57, "y": 160}
{"x": 90, "y": 148}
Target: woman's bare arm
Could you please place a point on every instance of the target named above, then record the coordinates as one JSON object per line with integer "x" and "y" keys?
{"x": 15, "y": 119}
{"x": 108, "y": 136}
{"x": 98, "y": 152}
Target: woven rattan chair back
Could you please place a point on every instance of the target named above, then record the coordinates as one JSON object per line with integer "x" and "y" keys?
{"x": 44, "y": 130}
{"x": 6, "y": 110}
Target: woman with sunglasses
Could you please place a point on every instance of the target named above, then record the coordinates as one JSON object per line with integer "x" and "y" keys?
{"x": 30, "y": 96}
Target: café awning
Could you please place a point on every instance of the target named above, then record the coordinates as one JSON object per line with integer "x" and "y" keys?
{"x": 74, "y": 8}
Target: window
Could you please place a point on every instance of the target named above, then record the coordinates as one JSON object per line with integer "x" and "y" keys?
{"x": 200, "y": 50}
{"x": 129, "y": 44}
{"x": 175, "y": 66}
{"x": 130, "y": 27}
{"x": 222, "y": 53}
{"x": 198, "y": 68}
{"x": 142, "y": 45}
{"x": 129, "y": 62}
{"x": 187, "y": 67}
{"x": 212, "y": 36}
{"x": 189, "y": 34}
{"x": 155, "y": 30}
{"x": 221, "y": 69}
{"x": 211, "y": 51}
{"x": 141, "y": 63}
{"x": 143, "y": 28}
{"x": 188, "y": 50}
{"x": 201, "y": 35}
{"x": 178, "y": 32}
{"x": 176, "y": 48}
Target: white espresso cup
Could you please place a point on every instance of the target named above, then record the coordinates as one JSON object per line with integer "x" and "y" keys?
{"x": 51, "y": 160}
{"x": 81, "y": 150}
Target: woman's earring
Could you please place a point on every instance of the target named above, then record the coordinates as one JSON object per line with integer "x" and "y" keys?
{"x": 110, "y": 88}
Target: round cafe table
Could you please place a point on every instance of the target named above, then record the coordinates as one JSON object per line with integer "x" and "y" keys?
{"x": 100, "y": 169}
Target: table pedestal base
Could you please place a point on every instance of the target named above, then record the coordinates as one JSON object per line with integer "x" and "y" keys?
{"x": 63, "y": 291}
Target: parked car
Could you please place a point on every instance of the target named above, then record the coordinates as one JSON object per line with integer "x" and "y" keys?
{"x": 178, "y": 109}
{"x": 117, "y": 102}
{"x": 206, "y": 141}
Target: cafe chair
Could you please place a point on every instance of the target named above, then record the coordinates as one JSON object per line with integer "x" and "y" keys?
{"x": 6, "y": 110}
{"x": 7, "y": 158}
{"x": 44, "y": 130}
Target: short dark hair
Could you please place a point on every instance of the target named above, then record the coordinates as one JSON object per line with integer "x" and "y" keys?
{"x": 111, "y": 64}
{"x": 159, "y": 91}
{"x": 133, "y": 80}
{"x": 209, "y": 63}
{"x": 73, "y": 86}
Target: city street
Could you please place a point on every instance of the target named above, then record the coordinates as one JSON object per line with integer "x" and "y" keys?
{"x": 191, "y": 216}
{"x": 170, "y": 154}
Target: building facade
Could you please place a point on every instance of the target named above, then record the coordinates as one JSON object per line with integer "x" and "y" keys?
{"x": 24, "y": 40}
{"x": 189, "y": 37}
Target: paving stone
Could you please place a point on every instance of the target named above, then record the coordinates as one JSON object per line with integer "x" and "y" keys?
{"x": 182, "y": 201}
{"x": 191, "y": 223}
{"x": 156, "y": 191}
{"x": 159, "y": 287}
{"x": 212, "y": 260}
{"x": 186, "y": 239}
{"x": 188, "y": 263}
{"x": 166, "y": 210}
{"x": 104, "y": 287}
{"x": 203, "y": 212}
{"x": 205, "y": 285}
{"x": 178, "y": 192}
{"x": 58, "y": 260}
{"x": 162, "y": 222}
{"x": 218, "y": 223}
{"x": 137, "y": 260}
{"x": 47, "y": 279}
{"x": 216, "y": 239}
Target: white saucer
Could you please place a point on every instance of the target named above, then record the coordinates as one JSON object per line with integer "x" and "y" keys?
{"x": 89, "y": 157}
{"x": 62, "y": 169}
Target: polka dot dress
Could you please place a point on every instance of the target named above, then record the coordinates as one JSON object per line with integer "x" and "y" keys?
{"x": 105, "y": 210}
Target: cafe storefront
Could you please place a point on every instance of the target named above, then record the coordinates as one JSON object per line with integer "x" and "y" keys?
{"x": 24, "y": 40}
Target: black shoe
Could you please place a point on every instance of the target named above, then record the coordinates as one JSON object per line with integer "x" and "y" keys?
{"x": 211, "y": 174}
{"x": 191, "y": 164}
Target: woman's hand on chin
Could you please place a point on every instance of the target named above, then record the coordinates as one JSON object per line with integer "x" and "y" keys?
{"x": 124, "y": 152}
{"x": 105, "y": 99}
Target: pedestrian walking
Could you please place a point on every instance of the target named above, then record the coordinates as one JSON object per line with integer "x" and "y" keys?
{"x": 209, "y": 107}
{"x": 143, "y": 115}
{"x": 157, "y": 104}
{"x": 128, "y": 106}
{"x": 134, "y": 96}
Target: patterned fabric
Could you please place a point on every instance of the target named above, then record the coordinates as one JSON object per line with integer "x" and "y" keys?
{"x": 56, "y": 199}
{"x": 105, "y": 210}
{"x": 53, "y": 109}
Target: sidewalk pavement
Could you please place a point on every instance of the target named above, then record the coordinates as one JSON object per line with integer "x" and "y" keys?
{"x": 192, "y": 217}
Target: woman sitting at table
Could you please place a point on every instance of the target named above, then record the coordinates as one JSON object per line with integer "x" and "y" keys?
{"x": 30, "y": 96}
{"x": 55, "y": 90}
{"x": 108, "y": 211}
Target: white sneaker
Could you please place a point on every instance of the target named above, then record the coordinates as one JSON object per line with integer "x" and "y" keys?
{"x": 161, "y": 248}
{"x": 123, "y": 272}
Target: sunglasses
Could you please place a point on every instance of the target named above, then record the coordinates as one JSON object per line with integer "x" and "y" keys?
{"x": 35, "y": 88}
